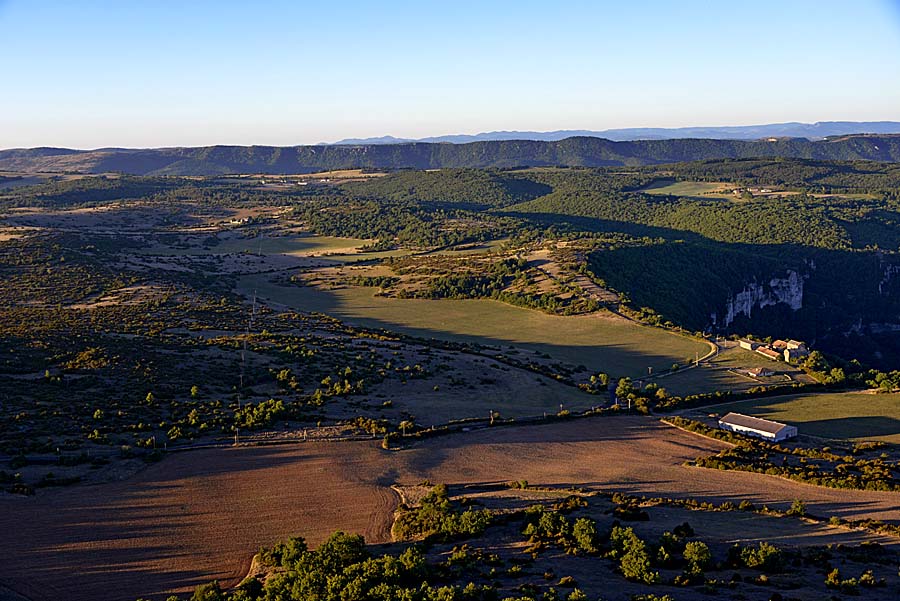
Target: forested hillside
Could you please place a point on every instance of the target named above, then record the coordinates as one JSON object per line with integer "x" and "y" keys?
{"x": 811, "y": 252}
{"x": 775, "y": 247}
{"x": 577, "y": 151}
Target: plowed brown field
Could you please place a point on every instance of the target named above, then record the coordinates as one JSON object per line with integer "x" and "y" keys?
{"x": 201, "y": 515}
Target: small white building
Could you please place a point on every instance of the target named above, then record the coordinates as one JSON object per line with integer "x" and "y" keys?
{"x": 757, "y": 427}
{"x": 750, "y": 345}
{"x": 760, "y": 372}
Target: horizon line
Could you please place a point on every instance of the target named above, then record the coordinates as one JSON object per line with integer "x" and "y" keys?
{"x": 433, "y": 139}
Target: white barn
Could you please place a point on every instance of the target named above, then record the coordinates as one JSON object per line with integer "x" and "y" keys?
{"x": 757, "y": 427}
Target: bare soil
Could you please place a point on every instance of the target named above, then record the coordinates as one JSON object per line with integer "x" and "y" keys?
{"x": 201, "y": 515}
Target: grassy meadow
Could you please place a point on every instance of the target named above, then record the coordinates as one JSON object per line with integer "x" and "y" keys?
{"x": 337, "y": 249}
{"x": 601, "y": 342}
{"x": 723, "y": 372}
{"x": 702, "y": 190}
{"x": 850, "y": 415}
{"x": 289, "y": 245}
{"x": 286, "y": 245}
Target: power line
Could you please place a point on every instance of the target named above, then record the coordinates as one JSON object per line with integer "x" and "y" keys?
{"x": 244, "y": 347}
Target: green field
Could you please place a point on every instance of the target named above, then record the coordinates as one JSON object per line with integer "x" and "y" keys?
{"x": 336, "y": 249}
{"x": 475, "y": 249}
{"x": 719, "y": 374}
{"x": 853, "y": 416}
{"x": 288, "y": 245}
{"x": 702, "y": 190}
{"x": 600, "y": 341}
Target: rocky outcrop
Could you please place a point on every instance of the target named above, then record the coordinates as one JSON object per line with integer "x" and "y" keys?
{"x": 889, "y": 273}
{"x": 755, "y": 295}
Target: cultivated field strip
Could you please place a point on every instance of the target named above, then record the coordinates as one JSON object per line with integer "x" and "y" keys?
{"x": 201, "y": 515}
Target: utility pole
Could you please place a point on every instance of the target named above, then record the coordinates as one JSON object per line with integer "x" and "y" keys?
{"x": 244, "y": 349}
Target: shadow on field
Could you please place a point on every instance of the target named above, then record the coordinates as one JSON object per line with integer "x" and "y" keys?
{"x": 85, "y": 548}
{"x": 596, "y": 354}
{"x": 852, "y": 427}
{"x": 121, "y": 540}
{"x": 209, "y": 463}
{"x": 211, "y": 509}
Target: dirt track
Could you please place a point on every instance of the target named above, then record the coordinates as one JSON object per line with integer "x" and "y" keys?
{"x": 199, "y": 516}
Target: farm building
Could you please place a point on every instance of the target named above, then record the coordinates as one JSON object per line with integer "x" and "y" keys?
{"x": 769, "y": 353}
{"x": 757, "y": 427}
{"x": 750, "y": 345}
{"x": 791, "y": 354}
{"x": 779, "y": 345}
{"x": 796, "y": 345}
{"x": 760, "y": 372}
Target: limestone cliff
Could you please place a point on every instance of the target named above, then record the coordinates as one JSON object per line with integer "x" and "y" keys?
{"x": 786, "y": 290}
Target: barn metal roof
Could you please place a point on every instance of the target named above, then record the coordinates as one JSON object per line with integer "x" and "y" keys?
{"x": 754, "y": 423}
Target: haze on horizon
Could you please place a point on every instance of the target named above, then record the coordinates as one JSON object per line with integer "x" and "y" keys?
{"x": 145, "y": 74}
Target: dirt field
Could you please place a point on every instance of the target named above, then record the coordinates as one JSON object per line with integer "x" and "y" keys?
{"x": 475, "y": 386}
{"x": 193, "y": 518}
{"x": 201, "y": 515}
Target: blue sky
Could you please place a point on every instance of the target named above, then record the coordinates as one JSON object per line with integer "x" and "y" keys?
{"x": 93, "y": 73}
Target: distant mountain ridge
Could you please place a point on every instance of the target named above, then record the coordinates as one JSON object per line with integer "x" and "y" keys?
{"x": 574, "y": 152}
{"x": 812, "y": 131}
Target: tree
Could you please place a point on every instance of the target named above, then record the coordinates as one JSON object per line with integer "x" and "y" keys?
{"x": 766, "y": 557}
{"x": 585, "y": 534}
{"x": 635, "y": 564}
{"x": 208, "y": 592}
{"x": 624, "y": 389}
{"x": 342, "y": 550}
{"x": 798, "y": 508}
{"x": 697, "y": 554}
{"x": 406, "y": 425}
{"x": 601, "y": 380}
{"x": 634, "y": 559}
{"x": 286, "y": 554}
